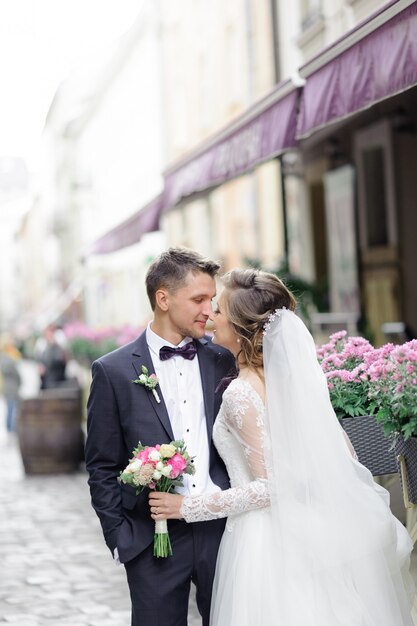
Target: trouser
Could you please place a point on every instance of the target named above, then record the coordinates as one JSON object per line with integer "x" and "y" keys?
{"x": 10, "y": 415}
{"x": 160, "y": 587}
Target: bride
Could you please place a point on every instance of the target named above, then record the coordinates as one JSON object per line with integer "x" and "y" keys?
{"x": 310, "y": 539}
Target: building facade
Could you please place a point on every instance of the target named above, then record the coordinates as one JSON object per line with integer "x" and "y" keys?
{"x": 354, "y": 157}
{"x": 103, "y": 158}
{"x": 224, "y": 63}
{"x": 253, "y": 131}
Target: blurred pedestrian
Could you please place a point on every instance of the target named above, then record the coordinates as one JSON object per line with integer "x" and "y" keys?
{"x": 52, "y": 359}
{"x": 11, "y": 380}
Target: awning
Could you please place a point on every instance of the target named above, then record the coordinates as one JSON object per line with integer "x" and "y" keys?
{"x": 131, "y": 230}
{"x": 54, "y": 304}
{"x": 266, "y": 130}
{"x": 376, "y": 60}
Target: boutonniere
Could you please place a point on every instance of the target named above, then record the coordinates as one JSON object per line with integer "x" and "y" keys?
{"x": 148, "y": 381}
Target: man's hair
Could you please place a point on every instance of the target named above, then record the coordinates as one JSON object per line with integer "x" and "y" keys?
{"x": 171, "y": 268}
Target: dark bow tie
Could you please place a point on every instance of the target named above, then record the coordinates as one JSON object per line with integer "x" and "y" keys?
{"x": 188, "y": 352}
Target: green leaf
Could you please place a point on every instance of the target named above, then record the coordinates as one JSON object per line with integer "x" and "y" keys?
{"x": 177, "y": 483}
{"x": 390, "y": 428}
{"x": 408, "y": 430}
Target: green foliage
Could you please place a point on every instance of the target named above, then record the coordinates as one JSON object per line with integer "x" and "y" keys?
{"x": 350, "y": 399}
{"x": 87, "y": 344}
{"x": 87, "y": 350}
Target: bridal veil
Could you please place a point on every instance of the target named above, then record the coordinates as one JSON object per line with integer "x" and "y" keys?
{"x": 341, "y": 557}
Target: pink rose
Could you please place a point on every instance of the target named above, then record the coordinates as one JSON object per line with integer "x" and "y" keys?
{"x": 178, "y": 464}
{"x": 144, "y": 455}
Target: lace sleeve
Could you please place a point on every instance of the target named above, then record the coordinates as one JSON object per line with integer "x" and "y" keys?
{"x": 244, "y": 418}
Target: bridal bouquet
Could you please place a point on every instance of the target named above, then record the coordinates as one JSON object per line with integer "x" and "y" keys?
{"x": 160, "y": 468}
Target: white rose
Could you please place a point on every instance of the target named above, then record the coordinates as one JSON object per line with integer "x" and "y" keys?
{"x": 143, "y": 378}
{"x": 134, "y": 466}
{"x": 159, "y": 466}
{"x": 156, "y": 475}
{"x": 167, "y": 470}
{"x": 154, "y": 455}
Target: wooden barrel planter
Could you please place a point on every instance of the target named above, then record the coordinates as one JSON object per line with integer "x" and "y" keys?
{"x": 49, "y": 431}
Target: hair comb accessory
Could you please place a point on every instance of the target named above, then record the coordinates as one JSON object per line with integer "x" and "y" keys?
{"x": 271, "y": 318}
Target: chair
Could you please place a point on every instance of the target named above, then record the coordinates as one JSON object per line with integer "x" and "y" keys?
{"x": 325, "y": 324}
{"x": 395, "y": 332}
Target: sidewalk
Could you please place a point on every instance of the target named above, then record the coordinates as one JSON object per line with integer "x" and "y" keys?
{"x": 55, "y": 567}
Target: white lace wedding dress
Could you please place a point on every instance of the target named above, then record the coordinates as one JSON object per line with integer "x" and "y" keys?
{"x": 252, "y": 585}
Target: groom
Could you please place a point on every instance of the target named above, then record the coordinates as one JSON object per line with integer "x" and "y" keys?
{"x": 180, "y": 285}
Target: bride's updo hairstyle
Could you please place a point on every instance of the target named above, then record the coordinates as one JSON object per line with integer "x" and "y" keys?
{"x": 250, "y": 297}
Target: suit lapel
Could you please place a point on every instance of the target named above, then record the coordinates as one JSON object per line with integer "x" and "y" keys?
{"x": 206, "y": 363}
{"x": 141, "y": 356}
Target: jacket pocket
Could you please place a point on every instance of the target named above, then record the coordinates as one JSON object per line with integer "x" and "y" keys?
{"x": 129, "y": 497}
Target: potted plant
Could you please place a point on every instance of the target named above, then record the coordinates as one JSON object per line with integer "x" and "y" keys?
{"x": 87, "y": 344}
{"x": 380, "y": 383}
{"x": 345, "y": 360}
{"x": 393, "y": 387}
{"x": 393, "y": 391}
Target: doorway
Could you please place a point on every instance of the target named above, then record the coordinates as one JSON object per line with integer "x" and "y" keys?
{"x": 378, "y": 234}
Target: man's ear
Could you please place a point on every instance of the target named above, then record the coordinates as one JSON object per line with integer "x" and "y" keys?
{"x": 162, "y": 299}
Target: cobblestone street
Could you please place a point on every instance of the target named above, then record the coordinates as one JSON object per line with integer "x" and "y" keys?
{"x": 55, "y": 567}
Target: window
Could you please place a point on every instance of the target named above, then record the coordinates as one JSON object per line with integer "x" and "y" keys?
{"x": 375, "y": 198}
{"x": 311, "y": 12}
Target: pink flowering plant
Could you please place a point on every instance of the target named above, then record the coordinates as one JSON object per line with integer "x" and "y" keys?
{"x": 86, "y": 344}
{"x": 393, "y": 387}
{"x": 364, "y": 380}
{"x": 344, "y": 361}
{"x": 159, "y": 468}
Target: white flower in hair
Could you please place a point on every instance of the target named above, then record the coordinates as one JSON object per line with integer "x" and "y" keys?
{"x": 271, "y": 318}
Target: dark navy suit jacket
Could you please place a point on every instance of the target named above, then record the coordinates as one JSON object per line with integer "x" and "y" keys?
{"x": 120, "y": 414}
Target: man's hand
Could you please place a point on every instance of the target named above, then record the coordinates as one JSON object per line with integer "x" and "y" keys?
{"x": 165, "y": 505}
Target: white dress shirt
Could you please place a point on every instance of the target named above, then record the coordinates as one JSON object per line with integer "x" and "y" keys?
{"x": 180, "y": 384}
